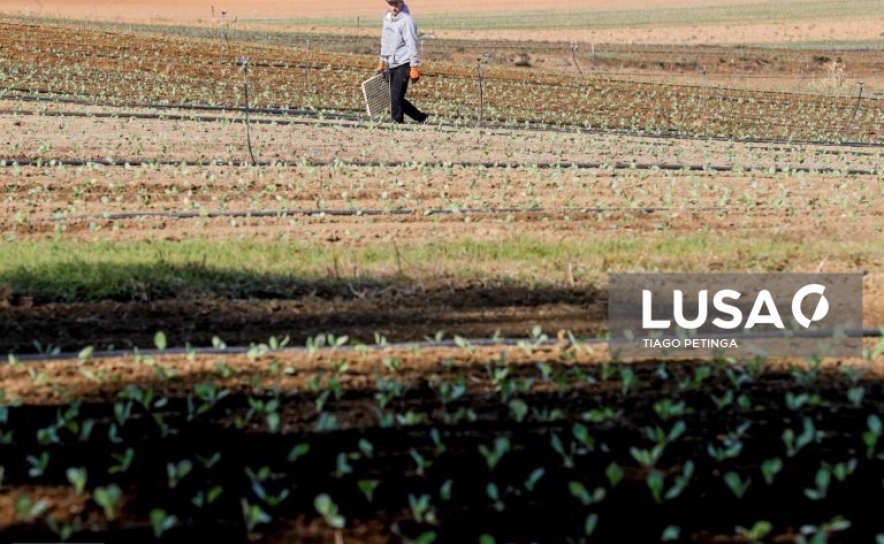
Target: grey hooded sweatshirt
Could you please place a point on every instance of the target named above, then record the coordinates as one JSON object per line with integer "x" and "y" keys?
{"x": 399, "y": 43}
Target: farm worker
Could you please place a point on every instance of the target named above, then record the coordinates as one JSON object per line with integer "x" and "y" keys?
{"x": 400, "y": 60}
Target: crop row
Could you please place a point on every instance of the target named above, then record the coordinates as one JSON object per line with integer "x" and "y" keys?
{"x": 476, "y": 445}
{"x": 150, "y": 70}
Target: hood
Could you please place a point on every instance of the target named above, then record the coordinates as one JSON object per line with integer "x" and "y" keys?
{"x": 404, "y": 10}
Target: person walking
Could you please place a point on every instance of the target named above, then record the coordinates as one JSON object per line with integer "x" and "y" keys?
{"x": 400, "y": 60}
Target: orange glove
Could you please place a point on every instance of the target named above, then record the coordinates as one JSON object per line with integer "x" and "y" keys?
{"x": 415, "y": 74}
{"x": 381, "y": 66}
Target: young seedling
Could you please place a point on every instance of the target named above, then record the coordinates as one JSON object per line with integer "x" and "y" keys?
{"x": 671, "y": 533}
{"x": 64, "y": 531}
{"x": 26, "y": 509}
{"x": 367, "y": 488}
{"x": 533, "y": 478}
{"x": 579, "y": 491}
{"x": 841, "y": 471}
{"x": 590, "y": 524}
{"x": 519, "y": 409}
{"x": 681, "y": 481}
{"x": 77, "y": 478}
{"x": 873, "y": 434}
{"x": 177, "y": 471}
{"x": 855, "y": 395}
{"x": 438, "y": 444}
{"x": 38, "y": 464}
{"x": 822, "y": 481}
{"x": 493, "y": 493}
{"x": 161, "y": 521}
{"x": 124, "y": 460}
{"x": 253, "y": 515}
{"x": 159, "y": 340}
{"x": 205, "y": 498}
{"x": 464, "y": 344}
{"x": 559, "y": 447}
{"x": 723, "y": 401}
{"x": 297, "y": 452}
{"x": 629, "y": 379}
{"x": 493, "y": 456}
{"x": 108, "y": 498}
{"x": 667, "y": 409}
{"x": 422, "y": 509}
{"x": 770, "y": 468}
{"x": 820, "y": 534}
{"x": 329, "y": 511}
{"x": 757, "y": 533}
{"x": 342, "y": 465}
{"x": 794, "y": 443}
{"x": 209, "y": 462}
{"x": 736, "y": 484}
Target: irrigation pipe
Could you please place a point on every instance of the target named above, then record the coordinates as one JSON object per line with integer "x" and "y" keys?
{"x": 398, "y": 212}
{"x": 429, "y": 344}
{"x": 325, "y": 117}
{"x": 564, "y": 165}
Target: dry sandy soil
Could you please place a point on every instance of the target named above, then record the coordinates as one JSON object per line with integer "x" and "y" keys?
{"x": 189, "y": 10}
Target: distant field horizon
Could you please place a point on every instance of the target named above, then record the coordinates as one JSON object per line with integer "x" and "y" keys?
{"x": 597, "y": 21}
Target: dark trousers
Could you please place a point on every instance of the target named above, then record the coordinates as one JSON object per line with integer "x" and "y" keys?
{"x": 399, "y": 105}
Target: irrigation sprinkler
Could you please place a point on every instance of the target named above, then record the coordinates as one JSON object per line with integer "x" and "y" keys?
{"x": 859, "y": 97}
{"x": 307, "y": 48}
{"x": 224, "y": 30}
{"x": 574, "y": 58}
{"x": 481, "y": 72}
{"x": 243, "y": 63}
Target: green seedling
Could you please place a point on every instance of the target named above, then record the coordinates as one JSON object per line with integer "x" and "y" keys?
{"x": 671, "y": 533}
{"x": 873, "y": 434}
{"x": 38, "y": 464}
{"x": 494, "y": 455}
{"x": 736, "y": 484}
{"x": 757, "y": 533}
{"x": 108, "y": 498}
{"x": 794, "y": 443}
{"x": 533, "y": 478}
{"x": 124, "y": 461}
{"x": 445, "y": 490}
{"x": 253, "y": 515}
{"x": 367, "y": 488}
{"x": 159, "y": 340}
{"x": 329, "y": 511}
{"x": 161, "y": 521}
{"x": 177, "y": 471}
{"x": 770, "y": 468}
{"x": 297, "y": 452}
{"x": 421, "y": 509}
{"x": 579, "y": 491}
{"x": 820, "y": 534}
{"x": 822, "y": 481}
{"x": 205, "y": 498}
{"x": 77, "y": 478}
{"x": 26, "y": 509}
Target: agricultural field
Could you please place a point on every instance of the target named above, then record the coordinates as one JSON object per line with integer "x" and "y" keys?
{"x": 235, "y": 308}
